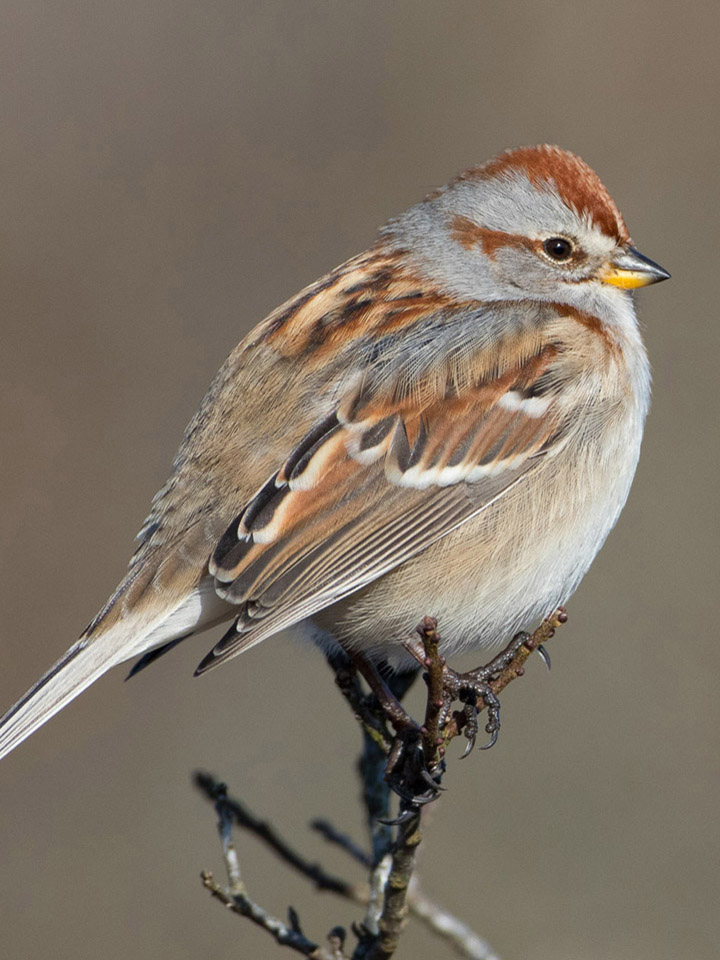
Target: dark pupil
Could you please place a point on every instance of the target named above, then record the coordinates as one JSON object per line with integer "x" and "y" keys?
{"x": 557, "y": 248}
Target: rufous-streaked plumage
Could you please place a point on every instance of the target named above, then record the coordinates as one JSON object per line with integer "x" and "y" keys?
{"x": 447, "y": 424}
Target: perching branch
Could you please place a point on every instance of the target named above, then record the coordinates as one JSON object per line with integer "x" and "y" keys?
{"x": 437, "y": 919}
{"x": 234, "y": 811}
{"x": 384, "y": 942}
{"x": 235, "y": 896}
{"x": 392, "y": 891}
{"x": 440, "y": 921}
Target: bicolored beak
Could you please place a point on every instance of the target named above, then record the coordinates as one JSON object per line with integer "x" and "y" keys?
{"x": 630, "y": 269}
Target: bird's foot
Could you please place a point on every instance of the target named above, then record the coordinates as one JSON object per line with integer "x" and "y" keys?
{"x": 474, "y": 690}
{"x": 479, "y": 688}
{"x": 416, "y": 758}
{"x": 416, "y": 761}
{"x": 409, "y": 773}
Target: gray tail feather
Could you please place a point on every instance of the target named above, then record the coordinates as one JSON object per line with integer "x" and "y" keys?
{"x": 80, "y": 666}
{"x": 100, "y": 649}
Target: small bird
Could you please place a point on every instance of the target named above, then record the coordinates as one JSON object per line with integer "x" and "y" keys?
{"x": 446, "y": 424}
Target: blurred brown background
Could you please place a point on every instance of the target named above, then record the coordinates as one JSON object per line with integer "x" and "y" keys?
{"x": 169, "y": 172}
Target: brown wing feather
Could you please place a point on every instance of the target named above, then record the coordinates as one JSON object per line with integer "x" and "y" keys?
{"x": 371, "y": 486}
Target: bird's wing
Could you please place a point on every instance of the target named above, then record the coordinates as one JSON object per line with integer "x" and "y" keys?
{"x": 406, "y": 456}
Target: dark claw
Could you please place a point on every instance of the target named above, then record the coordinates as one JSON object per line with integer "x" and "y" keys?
{"x": 431, "y": 781}
{"x": 407, "y": 772}
{"x": 406, "y": 813}
{"x": 544, "y": 656}
{"x": 416, "y": 799}
{"x": 493, "y": 738}
{"x": 493, "y": 725}
{"x": 403, "y": 783}
{"x": 470, "y": 747}
{"x": 400, "y": 790}
{"x": 408, "y": 795}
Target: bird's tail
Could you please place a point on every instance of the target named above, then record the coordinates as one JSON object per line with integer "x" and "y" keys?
{"x": 80, "y": 666}
{"x": 100, "y": 649}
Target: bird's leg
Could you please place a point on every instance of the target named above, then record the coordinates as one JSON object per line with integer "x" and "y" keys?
{"x": 406, "y": 771}
{"x": 394, "y": 711}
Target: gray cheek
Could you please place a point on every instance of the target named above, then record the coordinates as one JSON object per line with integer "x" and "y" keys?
{"x": 523, "y": 272}
{"x": 508, "y": 275}
{"x": 530, "y": 275}
{"x": 467, "y": 274}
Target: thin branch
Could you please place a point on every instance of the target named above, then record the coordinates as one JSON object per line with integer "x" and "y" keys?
{"x": 436, "y": 918}
{"x": 510, "y": 667}
{"x": 433, "y": 741}
{"x": 238, "y": 812}
{"x": 394, "y": 912}
{"x": 235, "y": 897}
{"x": 516, "y": 667}
{"x": 283, "y": 934}
{"x": 342, "y": 840}
{"x": 375, "y": 797}
{"x": 465, "y": 941}
{"x": 378, "y": 881}
{"x": 363, "y": 706}
{"x": 377, "y": 743}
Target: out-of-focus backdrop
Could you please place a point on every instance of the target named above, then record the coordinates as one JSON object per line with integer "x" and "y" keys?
{"x": 170, "y": 172}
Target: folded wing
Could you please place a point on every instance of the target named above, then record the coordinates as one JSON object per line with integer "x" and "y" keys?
{"x": 398, "y": 464}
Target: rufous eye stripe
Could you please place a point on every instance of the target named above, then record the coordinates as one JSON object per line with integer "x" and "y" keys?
{"x": 469, "y": 234}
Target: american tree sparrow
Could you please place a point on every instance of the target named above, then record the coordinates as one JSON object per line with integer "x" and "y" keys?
{"x": 446, "y": 424}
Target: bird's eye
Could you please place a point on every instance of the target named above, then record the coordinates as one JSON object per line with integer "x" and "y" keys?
{"x": 558, "y": 248}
